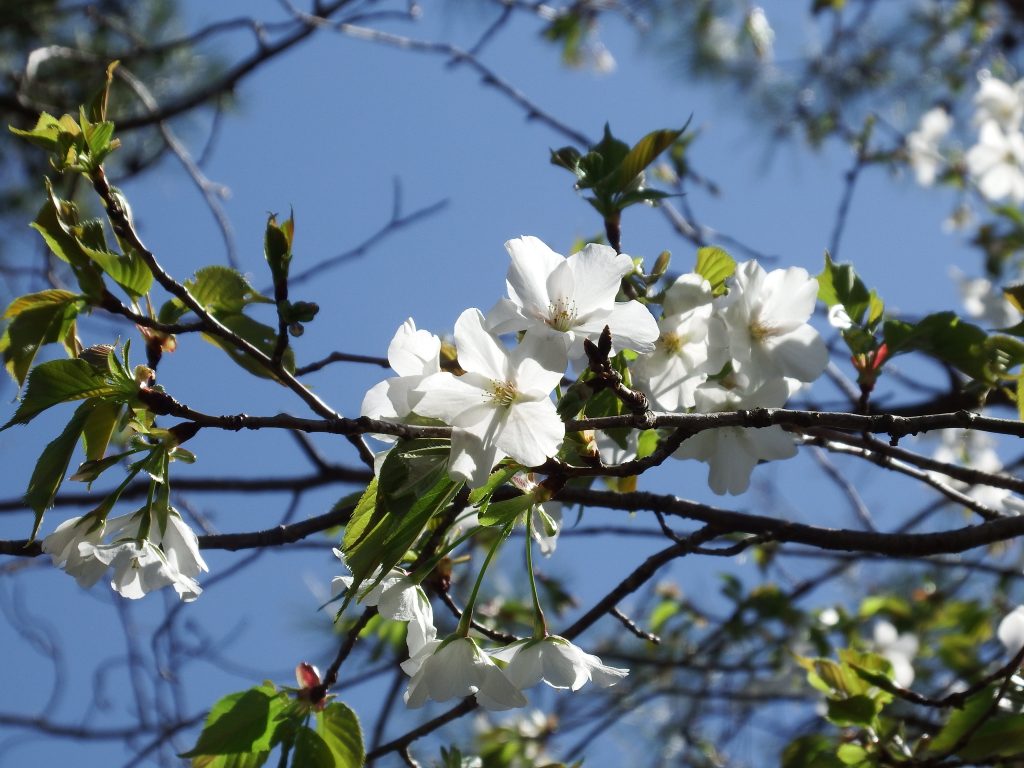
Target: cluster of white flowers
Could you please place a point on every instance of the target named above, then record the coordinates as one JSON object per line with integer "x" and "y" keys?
{"x": 976, "y": 450}
{"x": 500, "y": 403}
{"x": 142, "y": 560}
{"x": 457, "y": 666}
{"x": 995, "y": 161}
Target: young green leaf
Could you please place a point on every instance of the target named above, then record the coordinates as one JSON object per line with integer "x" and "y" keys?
{"x": 240, "y": 723}
{"x": 59, "y": 381}
{"x": 716, "y": 266}
{"x": 52, "y": 466}
{"x": 642, "y": 154}
{"x": 38, "y": 319}
{"x": 339, "y": 728}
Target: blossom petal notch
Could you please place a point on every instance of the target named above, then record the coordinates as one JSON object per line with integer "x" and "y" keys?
{"x": 501, "y": 406}
{"x": 571, "y": 298}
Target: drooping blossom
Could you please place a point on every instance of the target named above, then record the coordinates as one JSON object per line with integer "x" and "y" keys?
{"x": 398, "y": 599}
{"x": 765, "y": 318}
{"x": 413, "y": 355}
{"x": 731, "y": 453}
{"x": 456, "y": 667}
{"x": 557, "y": 662}
{"x": 142, "y": 561}
{"x": 571, "y": 299}
{"x": 501, "y": 406}
{"x": 63, "y": 547}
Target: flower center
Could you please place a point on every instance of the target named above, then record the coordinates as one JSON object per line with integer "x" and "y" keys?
{"x": 760, "y": 330}
{"x": 503, "y": 393}
{"x": 561, "y": 314}
{"x": 673, "y": 342}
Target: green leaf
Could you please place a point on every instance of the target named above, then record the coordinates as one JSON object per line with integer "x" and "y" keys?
{"x": 222, "y": 290}
{"x": 962, "y": 720}
{"x": 946, "y": 337}
{"x": 640, "y": 156}
{"x": 54, "y": 223}
{"x": 413, "y": 485}
{"x": 53, "y": 463}
{"x": 362, "y": 516}
{"x": 481, "y": 497}
{"x": 261, "y": 336}
{"x": 856, "y": 710}
{"x": 839, "y": 284}
{"x": 130, "y": 271}
{"x": 240, "y": 723}
{"x": 311, "y": 751}
{"x": 1003, "y": 735}
{"x": 38, "y": 319}
{"x": 716, "y": 266}
{"x": 852, "y": 754}
{"x": 812, "y": 751}
{"x": 99, "y": 428}
{"x": 44, "y": 133}
{"x": 250, "y": 760}
{"x": 59, "y": 381}
{"x": 504, "y": 512}
{"x": 339, "y": 728}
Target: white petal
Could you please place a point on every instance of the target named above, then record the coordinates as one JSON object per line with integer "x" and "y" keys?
{"x": 444, "y": 396}
{"x": 497, "y": 693}
{"x": 598, "y": 273}
{"x": 506, "y": 317}
{"x": 1011, "y": 631}
{"x": 376, "y": 403}
{"x": 532, "y": 262}
{"x": 801, "y": 354}
{"x": 413, "y": 352}
{"x": 633, "y": 327}
{"x": 479, "y": 351}
{"x": 532, "y": 432}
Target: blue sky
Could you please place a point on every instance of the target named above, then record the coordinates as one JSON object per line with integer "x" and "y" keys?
{"x": 324, "y": 131}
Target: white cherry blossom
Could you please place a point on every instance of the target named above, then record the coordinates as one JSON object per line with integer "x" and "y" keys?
{"x": 1011, "y": 631}
{"x": 732, "y": 452}
{"x": 572, "y": 298}
{"x": 501, "y": 406}
{"x": 456, "y": 667}
{"x": 765, "y": 318}
{"x": 141, "y": 567}
{"x": 923, "y": 144}
{"x": 984, "y": 302}
{"x": 898, "y": 649}
{"x": 999, "y": 102}
{"x": 413, "y": 355}
{"x": 162, "y": 558}
{"x": 557, "y": 662}
{"x": 71, "y": 547}
{"x": 996, "y": 163}
{"x": 398, "y": 599}
{"x": 681, "y": 359}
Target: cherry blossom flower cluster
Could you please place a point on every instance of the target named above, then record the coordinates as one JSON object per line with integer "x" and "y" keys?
{"x": 750, "y": 347}
{"x": 144, "y": 554}
{"x": 456, "y": 666}
{"x": 996, "y": 160}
